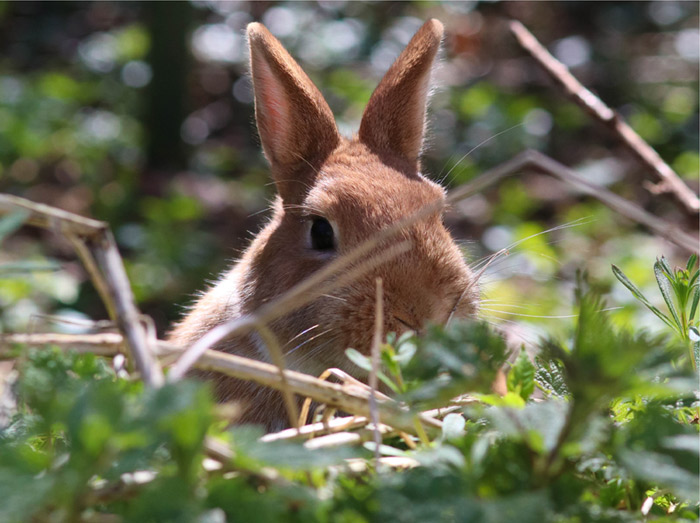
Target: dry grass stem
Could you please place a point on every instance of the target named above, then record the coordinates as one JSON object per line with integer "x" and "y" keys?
{"x": 544, "y": 164}
{"x": 376, "y": 345}
{"x": 275, "y": 351}
{"x": 93, "y": 271}
{"x": 594, "y": 106}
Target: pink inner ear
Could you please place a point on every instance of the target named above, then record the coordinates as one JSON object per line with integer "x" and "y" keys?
{"x": 275, "y": 110}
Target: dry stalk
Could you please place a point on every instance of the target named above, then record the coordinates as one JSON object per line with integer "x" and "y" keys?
{"x": 104, "y": 344}
{"x": 376, "y": 344}
{"x": 594, "y": 106}
{"x": 93, "y": 271}
{"x": 319, "y": 428}
{"x": 48, "y": 217}
{"x": 346, "y": 397}
{"x": 346, "y": 379}
{"x": 544, "y": 164}
{"x": 275, "y": 351}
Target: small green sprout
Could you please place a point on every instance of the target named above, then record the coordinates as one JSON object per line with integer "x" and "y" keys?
{"x": 681, "y": 292}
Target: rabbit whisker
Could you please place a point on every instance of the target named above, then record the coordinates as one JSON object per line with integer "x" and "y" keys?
{"x": 301, "y": 334}
{"x": 475, "y": 281}
{"x": 530, "y": 315}
{"x": 333, "y": 297}
{"x": 291, "y": 351}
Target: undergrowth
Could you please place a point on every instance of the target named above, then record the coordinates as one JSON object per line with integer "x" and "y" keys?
{"x": 601, "y": 426}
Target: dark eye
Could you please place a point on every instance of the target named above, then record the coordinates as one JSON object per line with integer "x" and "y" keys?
{"x": 321, "y": 235}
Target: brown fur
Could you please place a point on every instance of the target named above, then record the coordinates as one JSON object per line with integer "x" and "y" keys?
{"x": 360, "y": 185}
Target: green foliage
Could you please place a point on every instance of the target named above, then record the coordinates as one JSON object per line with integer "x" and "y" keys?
{"x": 680, "y": 289}
{"x": 612, "y": 429}
{"x": 521, "y": 378}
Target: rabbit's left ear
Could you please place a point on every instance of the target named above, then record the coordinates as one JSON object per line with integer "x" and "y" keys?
{"x": 394, "y": 120}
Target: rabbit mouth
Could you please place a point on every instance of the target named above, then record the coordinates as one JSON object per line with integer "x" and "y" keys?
{"x": 407, "y": 324}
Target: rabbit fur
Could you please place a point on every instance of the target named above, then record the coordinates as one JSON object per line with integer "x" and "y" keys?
{"x": 360, "y": 186}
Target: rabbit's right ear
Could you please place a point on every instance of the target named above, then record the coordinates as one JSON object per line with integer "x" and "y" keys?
{"x": 295, "y": 124}
{"x": 394, "y": 119}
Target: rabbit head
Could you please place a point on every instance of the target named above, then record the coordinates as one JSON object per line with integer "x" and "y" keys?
{"x": 334, "y": 193}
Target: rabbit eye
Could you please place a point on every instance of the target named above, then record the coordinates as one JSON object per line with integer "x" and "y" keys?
{"x": 322, "y": 234}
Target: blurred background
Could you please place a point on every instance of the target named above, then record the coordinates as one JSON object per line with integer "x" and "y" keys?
{"x": 141, "y": 114}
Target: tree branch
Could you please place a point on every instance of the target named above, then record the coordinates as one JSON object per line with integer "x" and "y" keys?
{"x": 594, "y": 106}
{"x": 544, "y": 164}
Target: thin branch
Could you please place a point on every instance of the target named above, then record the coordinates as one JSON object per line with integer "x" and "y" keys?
{"x": 594, "y": 106}
{"x": 346, "y": 397}
{"x": 93, "y": 271}
{"x": 127, "y": 317}
{"x": 48, "y": 217}
{"x": 113, "y": 285}
{"x": 544, "y": 164}
{"x": 104, "y": 344}
{"x": 319, "y": 428}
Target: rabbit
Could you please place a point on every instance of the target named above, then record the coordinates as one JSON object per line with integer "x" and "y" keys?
{"x": 332, "y": 194}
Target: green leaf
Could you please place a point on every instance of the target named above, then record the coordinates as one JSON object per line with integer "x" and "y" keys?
{"x": 691, "y": 261}
{"x": 661, "y": 468}
{"x": 358, "y": 359}
{"x": 666, "y": 267}
{"x": 407, "y": 350}
{"x": 549, "y": 376}
{"x": 365, "y": 364}
{"x": 521, "y": 377}
{"x": 666, "y": 291}
{"x": 694, "y": 304}
{"x": 453, "y": 426}
{"x": 538, "y": 424}
{"x": 638, "y": 294}
{"x": 389, "y": 361}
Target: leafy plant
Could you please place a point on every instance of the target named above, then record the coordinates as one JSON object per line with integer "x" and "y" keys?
{"x": 609, "y": 440}
{"x": 680, "y": 289}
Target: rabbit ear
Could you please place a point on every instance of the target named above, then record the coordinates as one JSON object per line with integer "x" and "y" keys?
{"x": 295, "y": 124}
{"x": 394, "y": 119}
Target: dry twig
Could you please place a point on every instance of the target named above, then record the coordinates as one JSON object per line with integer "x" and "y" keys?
{"x": 594, "y": 106}
{"x": 275, "y": 351}
{"x": 346, "y": 397}
{"x": 544, "y": 164}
